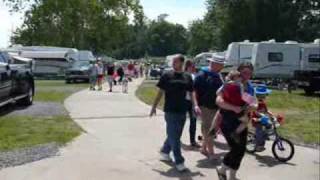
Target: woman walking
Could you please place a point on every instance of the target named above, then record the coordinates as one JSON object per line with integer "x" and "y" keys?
{"x": 230, "y": 114}
{"x": 189, "y": 68}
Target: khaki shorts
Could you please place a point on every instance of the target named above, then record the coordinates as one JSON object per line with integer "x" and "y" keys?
{"x": 207, "y": 117}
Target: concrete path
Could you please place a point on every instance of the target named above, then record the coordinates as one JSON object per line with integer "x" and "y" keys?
{"x": 122, "y": 142}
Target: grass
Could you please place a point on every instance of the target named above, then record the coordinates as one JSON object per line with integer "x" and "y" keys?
{"x": 20, "y": 132}
{"x": 55, "y": 90}
{"x": 302, "y": 113}
{"x": 25, "y": 131}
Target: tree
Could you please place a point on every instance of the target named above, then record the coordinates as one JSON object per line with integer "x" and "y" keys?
{"x": 166, "y": 38}
{"x": 100, "y": 26}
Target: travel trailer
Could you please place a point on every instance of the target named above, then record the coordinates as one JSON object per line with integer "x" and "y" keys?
{"x": 274, "y": 59}
{"x": 49, "y": 63}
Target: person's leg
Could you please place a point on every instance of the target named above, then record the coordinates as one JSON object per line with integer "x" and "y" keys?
{"x": 234, "y": 157}
{"x": 176, "y": 147}
{"x": 175, "y": 126}
{"x": 110, "y": 81}
{"x": 193, "y": 124}
{"x": 204, "y": 120}
{"x": 166, "y": 148}
{"x": 259, "y": 135}
{"x": 210, "y": 148}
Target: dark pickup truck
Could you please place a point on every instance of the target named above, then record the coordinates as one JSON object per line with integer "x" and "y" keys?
{"x": 16, "y": 80}
{"x": 308, "y": 80}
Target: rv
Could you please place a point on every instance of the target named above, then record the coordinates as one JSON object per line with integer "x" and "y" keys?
{"x": 49, "y": 63}
{"x": 273, "y": 59}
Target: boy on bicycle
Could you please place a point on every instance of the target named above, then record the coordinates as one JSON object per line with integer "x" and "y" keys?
{"x": 261, "y": 117}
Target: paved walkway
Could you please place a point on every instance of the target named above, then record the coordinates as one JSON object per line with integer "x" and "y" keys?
{"x": 121, "y": 142}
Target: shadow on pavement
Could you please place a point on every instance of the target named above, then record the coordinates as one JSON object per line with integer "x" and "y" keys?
{"x": 220, "y": 145}
{"x": 269, "y": 161}
{"x": 189, "y": 148}
{"x": 211, "y": 164}
{"x": 173, "y": 173}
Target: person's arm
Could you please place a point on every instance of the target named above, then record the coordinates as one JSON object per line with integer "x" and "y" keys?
{"x": 195, "y": 95}
{"x": 224, "y": 105}
{"x": 156, "y": 102}
{"x": 195, "y": 103}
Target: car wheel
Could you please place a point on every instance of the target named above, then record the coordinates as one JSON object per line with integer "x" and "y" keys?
{"x": 28, "y": 100}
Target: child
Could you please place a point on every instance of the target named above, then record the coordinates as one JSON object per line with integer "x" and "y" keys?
{"x": 261, "y": 116}
{"x": 125, "y": 84}
{"x": 233, "y": 93}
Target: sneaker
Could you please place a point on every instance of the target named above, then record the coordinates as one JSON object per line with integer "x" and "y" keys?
{"x": 165, "y": 157}
{"x": 181, "y": 167}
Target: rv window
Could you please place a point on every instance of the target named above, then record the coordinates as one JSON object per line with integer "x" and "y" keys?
{"x": 275, "y": 57}
{"x": 315, "y": 58}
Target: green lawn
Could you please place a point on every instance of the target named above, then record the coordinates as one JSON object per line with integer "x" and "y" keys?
{"x": 19, "y": 132}
{"x": 25, "y": 131}
{"x": 302, "y": 113}
{"x": 55, "y": 90}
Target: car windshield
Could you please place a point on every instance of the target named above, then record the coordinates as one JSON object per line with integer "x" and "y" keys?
{"x": 81, "y": 64}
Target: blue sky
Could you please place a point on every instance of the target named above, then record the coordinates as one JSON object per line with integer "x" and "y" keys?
{"x": 180, "y": 11}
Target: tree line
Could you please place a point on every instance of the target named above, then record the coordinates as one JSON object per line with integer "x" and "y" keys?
{"x": 119, "y": 28}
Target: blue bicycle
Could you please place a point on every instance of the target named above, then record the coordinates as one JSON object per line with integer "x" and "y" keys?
{"x": 282, "y": 149}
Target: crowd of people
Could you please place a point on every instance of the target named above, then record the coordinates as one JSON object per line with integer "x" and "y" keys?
{"x": 121, "y": 74}
{"x": 223, "y": 104}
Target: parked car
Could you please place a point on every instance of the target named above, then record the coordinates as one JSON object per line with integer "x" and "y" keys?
{"x": 79, "y": 71}
{"x": 16, "y": 80}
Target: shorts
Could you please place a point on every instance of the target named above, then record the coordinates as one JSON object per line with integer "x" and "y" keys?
{"x": 207, "y": 117}
{"x": 100, "y": 77}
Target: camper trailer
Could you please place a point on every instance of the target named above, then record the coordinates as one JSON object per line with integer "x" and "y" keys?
{"x": 239, "y": 52}
{"x": 273, "y": 59}
{"x": 49, "y": 63}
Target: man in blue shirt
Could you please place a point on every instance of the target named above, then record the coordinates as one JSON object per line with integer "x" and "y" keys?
{"x": 206, "y": 84}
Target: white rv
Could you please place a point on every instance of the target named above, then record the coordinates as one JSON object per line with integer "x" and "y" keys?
{"x": 273, "y": 59}
{"x": 49, "y": 63}
{"x": 239, "y": 52}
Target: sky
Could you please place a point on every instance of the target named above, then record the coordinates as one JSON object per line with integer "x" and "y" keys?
{"x": 179, "y": 11}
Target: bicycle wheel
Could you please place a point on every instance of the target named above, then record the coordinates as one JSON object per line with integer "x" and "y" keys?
{"x": 282, "y": 149}
{"x": 251, "y": 147}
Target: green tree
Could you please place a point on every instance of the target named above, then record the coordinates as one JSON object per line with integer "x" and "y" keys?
{"x": 101, "y": 26}
{"x": 166, "y": 38}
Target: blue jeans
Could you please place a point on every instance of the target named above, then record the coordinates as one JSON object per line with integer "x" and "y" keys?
{"x": 175, "y": 123}
{"x": 260, "y": 136}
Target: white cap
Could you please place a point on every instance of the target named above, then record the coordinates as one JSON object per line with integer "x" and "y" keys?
{"x": 217, "y": 59}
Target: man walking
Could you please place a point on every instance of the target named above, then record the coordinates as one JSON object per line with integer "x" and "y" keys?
{"x": 206, "y": 85}
{"x": 174, "y": 85}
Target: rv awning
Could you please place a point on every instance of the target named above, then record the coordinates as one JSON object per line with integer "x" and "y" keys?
{"x": 21, "y": 58}
{"x": 45, "y": 54}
